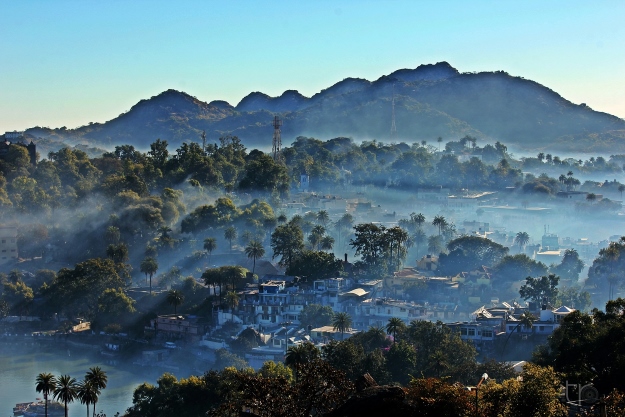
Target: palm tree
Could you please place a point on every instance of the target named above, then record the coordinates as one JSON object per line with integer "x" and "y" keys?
{"x": 327, "y": 243}
{"x": 439, "y": 140}
{"x": 440, "y": 222}
{"x": 230, "y": 234}
{"x": 87, "y": 393}
{"x": 394, "y": 326}
{"x": 149, "y": 266}
{"x": 246, "y": 237}
{"x": 97, "y": 377}
{"x": 316, "y": 235}
{"x": 118, "y": 253}
{"x": 612, "y": 254}
{"x": 232, "y": 298}
{"x": 419, "y": 238}
{"x": 323, "y": 217}
{"x": 210, "y": 244}
{"x": 526, "y": 320}
{"x": 65, "y": 390}
{"x": 300, "y": 354}
{"x": 175, "y": 298}
{"x": 341, "y": 322}
{"x": 45, "y": 384}
{"x": 254, "y": 251}
{"x": 282, "y": 218}
{"x": 418, "y": 219}
{"x": 435, "y": 245}
{"x": 521, "y": 239}
{"x": 344, "y": 223}
{"x": 376, "y": 337}
{"x": 151, "y": 251}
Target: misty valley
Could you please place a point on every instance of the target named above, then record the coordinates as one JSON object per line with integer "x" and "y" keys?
{"x": 229, "y": 277}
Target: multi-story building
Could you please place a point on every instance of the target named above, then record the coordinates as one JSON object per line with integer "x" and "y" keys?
{"x": 187, "y": 327}
{"x": 481, "y": 335}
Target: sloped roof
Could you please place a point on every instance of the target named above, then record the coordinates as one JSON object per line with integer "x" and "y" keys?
{"x": 359, "y": 292}
{"x": 564, "y": 309}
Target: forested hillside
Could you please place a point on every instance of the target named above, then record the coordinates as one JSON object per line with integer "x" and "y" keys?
{"x": 431, "y": 101}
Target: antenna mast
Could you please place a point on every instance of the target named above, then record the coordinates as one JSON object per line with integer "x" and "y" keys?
{"x": 277, "y": 140}
{"x": 203, "y": 140}
{"x": 393, "y": 128}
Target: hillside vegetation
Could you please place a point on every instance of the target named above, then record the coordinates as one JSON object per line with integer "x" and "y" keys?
{"x": 430, "y": 101}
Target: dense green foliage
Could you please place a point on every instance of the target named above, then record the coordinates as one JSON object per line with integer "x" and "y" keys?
{"x": 589, "y": 347}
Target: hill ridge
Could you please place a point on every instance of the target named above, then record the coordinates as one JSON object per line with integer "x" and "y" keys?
{"x": 432, "y": 100}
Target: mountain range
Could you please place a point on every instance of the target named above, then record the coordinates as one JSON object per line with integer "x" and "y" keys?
{"x": 430, "y": 101}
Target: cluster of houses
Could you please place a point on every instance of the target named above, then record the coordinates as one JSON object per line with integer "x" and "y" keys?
{"x": 272, "y": 310}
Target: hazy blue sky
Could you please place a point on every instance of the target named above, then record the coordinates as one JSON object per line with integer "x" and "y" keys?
{"x": 66, "y": 63}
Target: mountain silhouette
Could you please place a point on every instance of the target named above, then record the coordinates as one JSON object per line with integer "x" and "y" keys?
{"x": 430, "y": 101}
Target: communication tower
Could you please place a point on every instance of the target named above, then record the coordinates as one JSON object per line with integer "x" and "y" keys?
{"x": 393, "y": 128}
{"x": 277, "y": 140}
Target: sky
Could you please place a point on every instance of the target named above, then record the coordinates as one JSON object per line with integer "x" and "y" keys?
{"x": 71, "y": 62}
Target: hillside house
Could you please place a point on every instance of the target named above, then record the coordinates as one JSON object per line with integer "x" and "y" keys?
{"x": 481, "y": 335}
{"x": 187, "y": 327}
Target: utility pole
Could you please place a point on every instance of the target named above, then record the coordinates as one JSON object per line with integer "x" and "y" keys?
{"x": 393, "y": 127}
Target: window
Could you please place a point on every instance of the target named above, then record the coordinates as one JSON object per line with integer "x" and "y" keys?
{"x": 487, "y": 333}
{"x": 463, "y": 331}
{"x": 471, "y": 332}
{"x": 541, "y": 328}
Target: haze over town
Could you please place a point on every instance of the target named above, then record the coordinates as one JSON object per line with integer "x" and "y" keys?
{"x": 334, "y": 209}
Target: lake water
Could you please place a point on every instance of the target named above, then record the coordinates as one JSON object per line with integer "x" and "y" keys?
{"x": 20, "y": 366}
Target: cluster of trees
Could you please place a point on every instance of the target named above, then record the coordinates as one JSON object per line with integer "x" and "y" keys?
{"x": 146, "y": 191}
{"x": 605, "y": 273}
{"x": 287, "y": 242}
{"x": 592, "y": 164}
{"x": 67, "y": 389}
{"x": 588, "y": 347}
{"x": 316, "y": 387}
